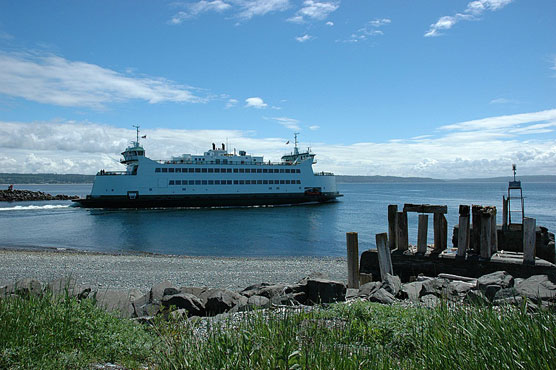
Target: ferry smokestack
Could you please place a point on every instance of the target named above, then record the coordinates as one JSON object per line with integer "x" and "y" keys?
{"x": 213, "y": 146}
{"x": 223, "y": 147}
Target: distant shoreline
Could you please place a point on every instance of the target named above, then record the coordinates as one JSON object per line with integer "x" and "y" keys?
{"x": 76, "y": 179}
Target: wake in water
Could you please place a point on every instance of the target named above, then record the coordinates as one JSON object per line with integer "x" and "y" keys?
{"x": 27, "y": 208}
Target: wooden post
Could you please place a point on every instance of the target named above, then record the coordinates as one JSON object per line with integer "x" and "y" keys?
{"x": 463, "y": 236}
{"x": 384, "y": 257}
{"x": 485, "y": 235}
{"x": 529, "y": 240}
{"x": 402, "y": 237}
{"x": 352, "y": 260}
{"x": 504, "y": 212}
{"x": 422, "y": 234}
{"x": 493, "y": 232}
{"x": 392, "y": 222}
{"x": 475, "y": 241}
{"x": 440, "y": 233}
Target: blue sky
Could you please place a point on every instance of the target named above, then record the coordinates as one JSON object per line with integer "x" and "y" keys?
{"x": 435, "y": 88}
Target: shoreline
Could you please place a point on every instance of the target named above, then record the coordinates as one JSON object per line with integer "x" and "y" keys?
{"x": 143, "y": 270}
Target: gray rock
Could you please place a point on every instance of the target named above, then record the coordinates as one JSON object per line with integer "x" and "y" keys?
{"x": 313, "y": 275}
{"x": 119, "y": 301}
{"x": 24, "y": 288}
{"x": 506, "y": 293}
{"x": 220, "y": 300}
{"x": 491, "y": 290}
{"x": 193, "y": 290}
{"x": 537, "y": 287}
{"x": 366, "y": 290}
{"x": 501, "y": 278}
{"x": 430, "y": 300}
{"x": 476, "y": 297}
{"x": 435, "y": 286}
{"x": 411, "y": 291}
{"x": 265, "y": 290}
{"x": 458, "y": 289}
{"x": 139, "y": 305}
{"x": 258, "y": 301}
{"x": 157, "y": 292}
{"x": 186, "y": 301}
{"x": 69, "y": 286}
{"x": 325, "y": 291}
{"x": 148, "y": 309}
{"x": 351, "y": 293}
{"x": 392, "y": 284}
{"x": 170, "y": 291}
{"x": 382, "y": 296}
{"x": 286, "y": 300}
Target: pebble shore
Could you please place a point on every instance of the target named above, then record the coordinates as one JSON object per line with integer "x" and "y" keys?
{"x": 126, "y": 271}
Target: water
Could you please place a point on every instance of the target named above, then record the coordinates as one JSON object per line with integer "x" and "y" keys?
{"x": 306, "y": 230}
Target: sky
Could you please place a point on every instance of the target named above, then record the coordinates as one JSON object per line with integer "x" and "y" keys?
{"x": 429, "y": 88}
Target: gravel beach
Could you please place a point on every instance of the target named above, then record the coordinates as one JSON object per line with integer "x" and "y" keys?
{"x": 124, "y": 271}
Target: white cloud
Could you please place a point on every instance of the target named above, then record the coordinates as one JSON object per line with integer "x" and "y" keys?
{"x": 370, "y": 29}
{"x": 231, "y": 103}
{"x": 317, "y": 10}
{"x": 478, "y": 148}
{"x": 314, "y": 127}
{"x": 330, "y": 24}
{"x": 289, "y": 123}
{"x": 255, "y": 102}
{"x": 54, "y": 80}
{"x": 245, "y": 9}
{"x": 200, "y": 7}
{"x": 503, "y": 101}
{"x": 473, "y": 10}
{"x": 303, "y": 38}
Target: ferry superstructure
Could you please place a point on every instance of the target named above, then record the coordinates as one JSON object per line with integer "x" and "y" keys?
{"x": 215, "y": 178}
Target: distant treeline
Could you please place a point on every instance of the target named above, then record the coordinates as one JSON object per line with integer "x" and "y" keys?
{"x": 44, "y": 178}
{"x": 386, "y": 179}
{"x": 53, "y": 178}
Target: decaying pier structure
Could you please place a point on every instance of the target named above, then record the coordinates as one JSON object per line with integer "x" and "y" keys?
{"x": 480, "y": 246}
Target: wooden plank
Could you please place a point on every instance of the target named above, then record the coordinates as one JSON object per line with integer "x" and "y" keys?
{"x": 402, "y": 232}
{"x": 529, "y": 240}
{"x": 440, "y": 233}
{"x": 392, "y": 222}
{"x": 493, "y": 232}
{"x": 485, "y": 234}
{"x": 504, "y": 212}
{"x": 425, "y": 208}
{"x": 384, "y": 256}
{"x": 463, "y": 235}
{"x": 422, "y": 234}
{"x": 352, "y": 260}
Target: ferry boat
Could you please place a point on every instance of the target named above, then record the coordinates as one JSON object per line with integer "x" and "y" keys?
{"x": 215, "y": 179}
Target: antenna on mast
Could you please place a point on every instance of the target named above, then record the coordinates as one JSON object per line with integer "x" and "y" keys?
{"x": 137, "y": 128}
{"x": 295, "y": 150}
{"x": 514, "y": 168}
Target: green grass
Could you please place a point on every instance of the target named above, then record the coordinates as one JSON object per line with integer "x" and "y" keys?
{"x": 68, "y": 334}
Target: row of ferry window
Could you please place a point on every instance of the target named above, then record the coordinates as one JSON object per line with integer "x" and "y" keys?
{"x": 234, "y": 182}
{"x": 228, "y": 170}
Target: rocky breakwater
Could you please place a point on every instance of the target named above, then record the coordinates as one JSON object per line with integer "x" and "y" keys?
{"x": 28, "y": 195}
{"x": 166, "y": 300}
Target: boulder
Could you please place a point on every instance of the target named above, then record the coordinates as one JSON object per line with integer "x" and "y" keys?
{"x": 351, "y": 293}
{"x": 505, "y": 293}
{"x": 24, "y": 288}
{"x": 430, "y": 300}
{"x": 258, "y": 301}
{"x": 382, "y": 296}
{"x": 157, "y": 291}
{"x": 69, "y": 286}
{"x": 411, "y": 291}
{"x": 313, "y": 275}
{"x": 221, "y": 300}
{"x": 170, "y": 291}
{"x": 186, "y": 301}
{"x": 491, "y": 290}
{"x": 366, "y": 290}
{"x": 119, "y": 301}
{"x": 457, "y": 290}
{"x": 500, "y": 278}
{"x": 476, "y": 297}
{"x": 392, "y": 284}
{"x": 537, "y": 287}
{"x": 325, "y": 291}
{"x": 193, "y": 290}
{"x": 435, "y": 286}
{"x": 265, "y": 290}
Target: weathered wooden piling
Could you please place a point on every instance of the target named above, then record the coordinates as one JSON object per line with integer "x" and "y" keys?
{"x": 422, "y": 234}
{"x": 504, "y": 212}
{"x": 352, "y": 260}
{"x": 365, "y": 278}
{"x": 384, "y": 255}
{"x": 493, "y": 232}
{"x": 529, "y": 240}
{"x": 440, "y": 233}
{"x": 475, "y": 240}
{"x": 463, "y": 233}
{"x": 485, "y": 235}
{"x": 392, "y": 224}
{"x": 402, "y": 232}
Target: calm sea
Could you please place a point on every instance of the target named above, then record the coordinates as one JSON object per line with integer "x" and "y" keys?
{"x": 306, "y": 230}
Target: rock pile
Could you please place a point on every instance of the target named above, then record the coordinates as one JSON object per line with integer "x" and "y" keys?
{"x": 498, "y": 288}
{"x": 28, "y": 195}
